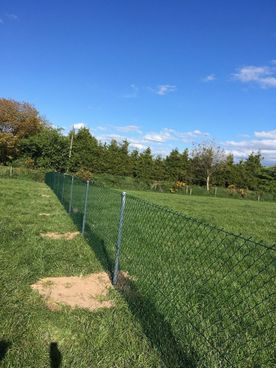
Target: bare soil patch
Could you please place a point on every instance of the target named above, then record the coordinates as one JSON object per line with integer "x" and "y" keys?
{"x": 88, "y": 292}
{"x": 56, "y": 235}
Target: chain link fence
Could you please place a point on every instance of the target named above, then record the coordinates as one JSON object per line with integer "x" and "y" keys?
{"x": 204, "y": 297}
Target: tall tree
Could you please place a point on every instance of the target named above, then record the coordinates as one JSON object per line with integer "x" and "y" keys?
{"x": 85, "y": 151}
{"x": 146, "y": 164}
{"x": 48, "y": 148}
{"x": 207, "y": 160}
{"x": 17, "y": 120}
{"x": 159, "y": 169}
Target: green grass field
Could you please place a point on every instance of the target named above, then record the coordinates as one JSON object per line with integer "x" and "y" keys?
{"x": 250, "y": 218}
{"x": 105, "y": 338}
{"x": 196, "y": 296}
{"x": 203, "y": 296}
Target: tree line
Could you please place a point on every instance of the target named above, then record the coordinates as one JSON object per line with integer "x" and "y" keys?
{"x": 27, "y": 139}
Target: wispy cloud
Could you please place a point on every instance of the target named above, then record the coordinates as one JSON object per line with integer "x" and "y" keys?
{"x": 128, "y": 128}
{"x": 270, "y": 134}
{"x": 164, "y": 89}
{"x": 209, "y": 78}
{"x": 264, "y": 76}
{"x": 168, "y": 134}
{"x": 161, "y": 137}
{"x": 263, "y": 142}
{"x": 133, "y": 92}
{"x": 163, "y": 141}
{"x": 12, "y": 16}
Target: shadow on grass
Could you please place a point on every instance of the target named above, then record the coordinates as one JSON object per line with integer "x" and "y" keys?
{"x": 155, "y": 327}
{"x": 4, "y": 346}
{"x": 55, "y": 355}
{"x": 154, "y": 324}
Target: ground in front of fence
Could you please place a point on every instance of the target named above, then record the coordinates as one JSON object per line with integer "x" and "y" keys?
{"x": 31, "y": 335}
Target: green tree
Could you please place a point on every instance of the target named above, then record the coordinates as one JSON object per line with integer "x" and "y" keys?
{"x": 159, "y": 169}
{"x": 177, "y": 165}
{"x": 85, "y": 151}
{"x": 17, "y": 120}
{"x": 48, "y": 148}
{"x": 145, "y": 164}
{"x": 208, "y": 159}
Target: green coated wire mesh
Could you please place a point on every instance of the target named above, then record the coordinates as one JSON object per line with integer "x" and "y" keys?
{"x": 204, "y": 296}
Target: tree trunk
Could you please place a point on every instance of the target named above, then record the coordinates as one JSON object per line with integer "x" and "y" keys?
{"x": 208, "y": 183}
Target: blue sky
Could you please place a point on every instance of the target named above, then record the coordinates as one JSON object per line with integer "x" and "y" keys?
{"x": 162, "y": 73}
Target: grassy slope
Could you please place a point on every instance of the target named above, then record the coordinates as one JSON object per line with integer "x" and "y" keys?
{"x": 256, "y": 219}
{"x": 106, "y": 338}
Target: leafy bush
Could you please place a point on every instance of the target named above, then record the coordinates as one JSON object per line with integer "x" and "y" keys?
{"x": 84, "y": 174}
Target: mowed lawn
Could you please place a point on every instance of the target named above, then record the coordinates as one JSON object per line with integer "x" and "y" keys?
{"x": 28, "y": 330}
{"x": 250, "y": 218}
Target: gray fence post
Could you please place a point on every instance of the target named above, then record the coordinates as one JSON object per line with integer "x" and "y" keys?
{"x": 85, "y": 207}
{"x": 62, "y": 191}
{"x": 119, "y": 239}
{"x": 71, "y": 194}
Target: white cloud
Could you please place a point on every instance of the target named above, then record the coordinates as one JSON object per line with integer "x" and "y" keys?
{"x": 209, "y": 78}
{"x": 163, "y": 141}
{"x": 264, "y": 142}
{"x": 264, "y": 76}
{"x": 168, "y": 134}
{"x": 160, "y": 142}
{"x": 138, "y": 146}
{"x": 79, "y": 126}
{"x": 163, "y": 136}
{"x": 266, "y": 134}
{"x": 254, "y": 144}
{"x": 128, "y": 128}
{"x": 191, "y": 135}
{"x": 164, "y": 89}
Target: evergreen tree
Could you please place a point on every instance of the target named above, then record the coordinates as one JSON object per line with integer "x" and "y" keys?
{"x": 85, "y": 151}
{"x": 146, "y": 164}
{"x": 159, "y": 169}
{"x": 48, "y": 149}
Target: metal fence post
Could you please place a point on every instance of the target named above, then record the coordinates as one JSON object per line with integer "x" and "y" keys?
{"x": 54, "y": 182}
{"x": 85, "y": 207}
{"x": 71, "y": 194}
{"x": 119, "y": 239}
{"x": 62, "y": 191}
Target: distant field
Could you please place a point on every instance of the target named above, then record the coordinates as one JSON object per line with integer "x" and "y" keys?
{"x": 250, "y": 218}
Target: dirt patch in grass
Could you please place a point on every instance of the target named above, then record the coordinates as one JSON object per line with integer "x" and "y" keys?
{"x": 44, "y": 214}
{"x": 56, "y": 235}
{"x": 45, "y": 195}
{"x": 88, "y": 292}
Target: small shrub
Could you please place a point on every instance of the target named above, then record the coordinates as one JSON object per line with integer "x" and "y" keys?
{"x": 84, "y": 174}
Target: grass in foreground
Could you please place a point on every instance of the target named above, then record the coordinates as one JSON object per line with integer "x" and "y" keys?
{"x": 252, "y": 219}
{"x": 30, "y": 334}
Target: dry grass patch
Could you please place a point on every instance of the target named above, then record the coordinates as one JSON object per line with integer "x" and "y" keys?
{"x": 44, "y": 214}
{"x": 88, "y": 292}
{"x": 55, "y": 235}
